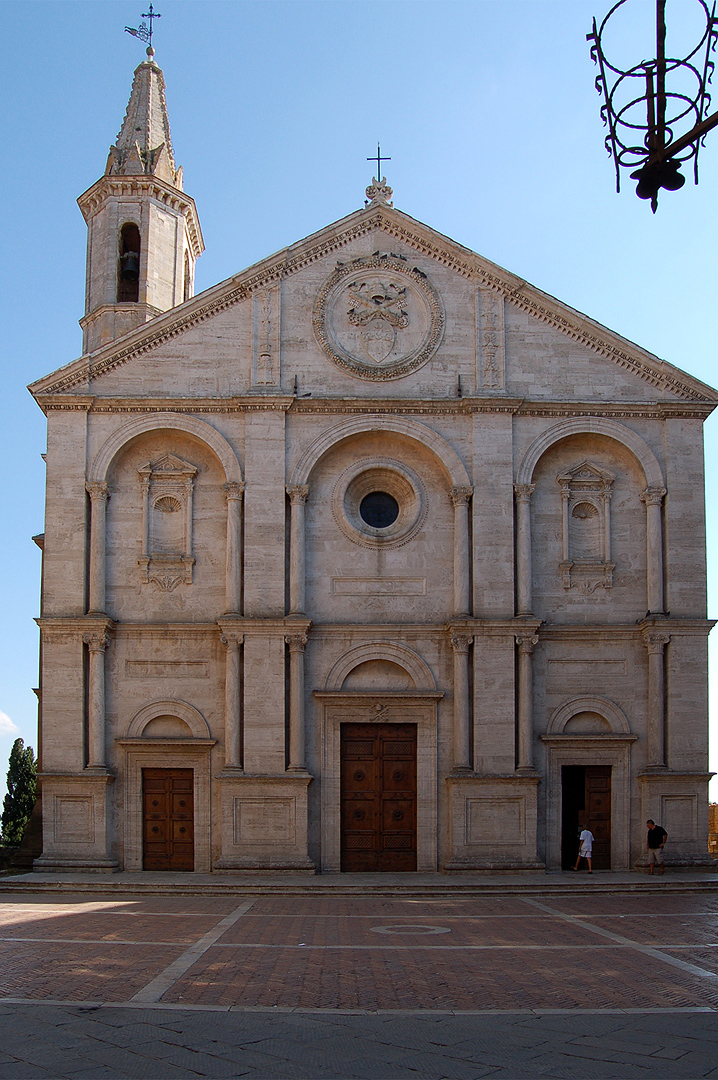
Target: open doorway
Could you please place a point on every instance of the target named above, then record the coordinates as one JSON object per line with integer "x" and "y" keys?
{"x": 586, "y": 800}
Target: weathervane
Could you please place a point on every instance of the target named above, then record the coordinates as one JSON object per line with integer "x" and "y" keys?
{"x": 143, "y": 31}
{"x": 640, "y": 105}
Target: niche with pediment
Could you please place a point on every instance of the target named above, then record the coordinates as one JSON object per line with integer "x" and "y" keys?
{"x": 586, "y": 527}
{"x": 167, "y": 492}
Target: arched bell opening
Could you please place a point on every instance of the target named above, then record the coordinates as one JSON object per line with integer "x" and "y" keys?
{"x": 128, "y": 265}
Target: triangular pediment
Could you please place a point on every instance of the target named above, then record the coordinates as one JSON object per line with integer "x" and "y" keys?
{"x": 328, "y": 244}
{"x": 168, "y": 464}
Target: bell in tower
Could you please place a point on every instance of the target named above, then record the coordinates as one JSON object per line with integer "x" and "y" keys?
{"x": 144, "y": 235}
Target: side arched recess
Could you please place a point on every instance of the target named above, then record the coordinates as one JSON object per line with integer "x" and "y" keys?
{"x": 595, "y": 425}
{"x": 405, "y": 658}
{"x": 187, "y": 713}
{"x": 606, "y": 708}
{"x": 164, "y": 421}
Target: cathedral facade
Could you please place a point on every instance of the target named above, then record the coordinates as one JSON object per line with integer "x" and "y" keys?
{"x": 370, "y": 558}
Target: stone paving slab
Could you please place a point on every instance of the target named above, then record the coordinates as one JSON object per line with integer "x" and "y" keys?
{"x": 665, "y": 1046}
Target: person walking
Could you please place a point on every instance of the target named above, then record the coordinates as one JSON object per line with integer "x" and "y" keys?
{"x": 655, "y": 842}
{"x": 585, "y": 848}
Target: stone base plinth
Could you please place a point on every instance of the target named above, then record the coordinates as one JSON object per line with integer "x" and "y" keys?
{"x": 75, "y": 822}
{"x": 493, "y": 822}
{"x": 679, "y": 803}
{"x": 264, "y": 823}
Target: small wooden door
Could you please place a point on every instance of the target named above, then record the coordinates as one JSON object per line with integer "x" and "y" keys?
{"x": 378, "y": 797}
{"x": 168, "y": 811}
{"x": 598, "y": 813}
{"x": 586, "y": 800}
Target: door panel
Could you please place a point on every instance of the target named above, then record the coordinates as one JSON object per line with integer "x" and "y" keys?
{"x": 378, "y": 793}
{"x": 598, "y": 813}
{"x": 168, "y": 810}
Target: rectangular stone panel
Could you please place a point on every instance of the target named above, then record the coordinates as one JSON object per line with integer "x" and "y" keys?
{"x": 168, "y": 669}
{"x": 379, "y": 586}
{"x": 679, "y": 815}
{"x": 496, "y": 821}
{"x": 73, "y": 819}
{"x": 581, "y": 671}
{"x": 264, "y": 821}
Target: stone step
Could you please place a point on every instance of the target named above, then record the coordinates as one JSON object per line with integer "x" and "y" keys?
{"x": 347, "y": 885}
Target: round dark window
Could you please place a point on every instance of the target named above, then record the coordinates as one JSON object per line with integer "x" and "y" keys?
{"x": 379, "y": 509}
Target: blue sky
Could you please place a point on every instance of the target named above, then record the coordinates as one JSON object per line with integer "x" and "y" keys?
{"x": 487, "y": 109}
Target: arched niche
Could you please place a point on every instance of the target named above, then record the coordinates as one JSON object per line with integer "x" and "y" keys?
{"x": 594, "y": 425}
{"x": 166, "y": 421}
{"x": 581, "y": 708}
{"x": 357, "y": 425}
{"x": 381, "y": 651}
{"x": 147, "y": 722}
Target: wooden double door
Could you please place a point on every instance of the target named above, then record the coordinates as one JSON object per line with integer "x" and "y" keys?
{"x": 168, "y": 819}
{"x": 378, "y": 797}
{"x": 586, "y": 801}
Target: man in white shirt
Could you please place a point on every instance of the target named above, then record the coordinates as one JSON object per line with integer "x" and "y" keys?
{"x": 585, "y": 849}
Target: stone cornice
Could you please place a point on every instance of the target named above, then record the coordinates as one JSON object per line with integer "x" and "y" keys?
{"x": 333, "y": 238}
{"x": 674, "y": 627}
{"x": 239, "y": 403}
{"x": 81, "y": 624}
{"x": 141, "y": 186}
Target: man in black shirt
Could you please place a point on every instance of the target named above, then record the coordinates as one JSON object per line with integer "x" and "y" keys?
{"x": 654, "y": 844}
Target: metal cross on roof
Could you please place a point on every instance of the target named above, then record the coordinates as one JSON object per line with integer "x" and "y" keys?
{"x": 143, "y": 31}
{"x": 378, "y": 159}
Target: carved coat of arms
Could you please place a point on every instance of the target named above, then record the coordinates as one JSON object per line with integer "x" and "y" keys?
{"x": 379, "y": 309}
{"x": 378, "y": 317}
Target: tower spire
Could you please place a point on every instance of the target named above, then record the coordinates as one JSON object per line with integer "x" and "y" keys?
{"x": 144, "y": 144}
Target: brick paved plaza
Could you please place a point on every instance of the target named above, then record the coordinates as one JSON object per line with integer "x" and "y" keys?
{"x": 560, "y": 982}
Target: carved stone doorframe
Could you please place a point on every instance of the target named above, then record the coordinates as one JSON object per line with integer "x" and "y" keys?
{"x": 167, "y": 754}
{"x": 613, "y": 750}
{"x": 407, "y": 707}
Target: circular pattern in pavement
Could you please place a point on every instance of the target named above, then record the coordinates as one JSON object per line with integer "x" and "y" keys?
{"x": 411, "y": 929}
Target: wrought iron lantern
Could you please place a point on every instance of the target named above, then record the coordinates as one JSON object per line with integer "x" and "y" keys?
{"x": 657, "y": 111}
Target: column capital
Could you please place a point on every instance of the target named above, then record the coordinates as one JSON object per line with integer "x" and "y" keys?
{"x": 526, "y": 643}
{"x": 231, "y": 640}
{"x": 655, "y": 641}
{"x": 524, "y": 492}
{"x": 296, "y": 642}
{"x": 233, "y": 490}
{"x": 97, "y": 489}
{"x": 461, "y": 495}
{"x": 96, "y": 640}
{"x": 460, "y": 642}
{"x": 653, "y": 496}
{"x": 298, "y": 493}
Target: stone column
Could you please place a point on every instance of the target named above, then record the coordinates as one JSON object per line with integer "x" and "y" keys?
{"x": 653, "y": 498}
{"x": 462, "y": 717}
{"x": 96, "y": 642}
{"x": 524, "y": 598}
{"x": 297, "y": 644}
{"x": 524, "y": 754}
{"x": 233, "y": 493}
{"x": 232, "y": 741}
{"x": 460, "y": 497}
{"x": 99, "y": 494}
{"x": 297, "y": 560}
{"x": 655, "y": 643}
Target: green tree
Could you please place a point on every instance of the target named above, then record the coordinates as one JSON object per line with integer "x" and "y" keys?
{"x": 21, "y": 789}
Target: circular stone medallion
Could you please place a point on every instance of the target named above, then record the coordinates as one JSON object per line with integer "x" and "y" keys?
{"x": 378, "y": 318}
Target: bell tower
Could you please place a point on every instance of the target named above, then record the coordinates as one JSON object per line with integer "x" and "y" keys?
{"x": 144, "y": 236}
